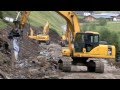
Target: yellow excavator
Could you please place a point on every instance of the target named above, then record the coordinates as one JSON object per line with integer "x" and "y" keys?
{"x": 83, "y": 47}
{"x": 41, "y": 37}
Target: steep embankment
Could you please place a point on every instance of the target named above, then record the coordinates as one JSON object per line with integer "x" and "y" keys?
{"x": 29, "y": 49}
{"x": 39, "y": 19}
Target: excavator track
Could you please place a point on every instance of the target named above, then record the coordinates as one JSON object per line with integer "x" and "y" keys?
{"x": 96, "y": 66}
{"x": 99, "y": 67}
{"x": 65, "y": 64}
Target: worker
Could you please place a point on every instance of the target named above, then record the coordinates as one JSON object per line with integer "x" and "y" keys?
{"x": 13, "y": 33}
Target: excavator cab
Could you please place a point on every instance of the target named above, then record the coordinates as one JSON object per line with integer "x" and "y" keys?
{"x": 87, "y": 40}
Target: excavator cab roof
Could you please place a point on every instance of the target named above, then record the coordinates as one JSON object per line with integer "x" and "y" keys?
{"x": 91, "y": 32}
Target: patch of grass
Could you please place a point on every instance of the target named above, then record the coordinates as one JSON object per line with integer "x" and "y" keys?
{"x": 11, "y": 14}
{"x": 112, "y": 26}
{"x": 2, "y": 24}
{"x": 40, "y": 18}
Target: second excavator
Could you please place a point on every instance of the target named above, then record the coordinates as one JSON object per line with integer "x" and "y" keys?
{"x": 41, "y": 37}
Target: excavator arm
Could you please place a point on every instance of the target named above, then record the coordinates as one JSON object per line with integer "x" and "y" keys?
{"x": 73, "y": 26}
{"x": 69, "y": 16}
{"x": 19, "y": 25}
{"x": 24, "y": 18}
{"x": 46, "y": 29}
{"x": 72, "y": 21}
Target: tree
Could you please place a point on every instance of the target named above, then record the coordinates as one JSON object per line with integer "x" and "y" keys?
{"x": 89, "y": 27}
{"x": 105, "y": 35}
{"x": 92, "y": 27}
{"x": 85, "y": 27}
{"x": 112, "y": 38}
{"x": 102, "y": 22}
{"x": 1, "y": 15}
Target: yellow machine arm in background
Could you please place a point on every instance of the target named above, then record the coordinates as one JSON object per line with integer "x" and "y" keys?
{"x": 24, "y": 18}
{"x": 46, "y": 29}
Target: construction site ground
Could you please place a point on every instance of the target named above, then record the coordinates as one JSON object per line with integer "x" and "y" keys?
{"x": 38, "y": 61}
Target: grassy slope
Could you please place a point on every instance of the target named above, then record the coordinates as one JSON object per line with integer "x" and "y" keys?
{"x": 112, "y": 26}
{"x": 2, "y": 24}
{"x": 39, "y": 19}
{"x": 11, "y": 14}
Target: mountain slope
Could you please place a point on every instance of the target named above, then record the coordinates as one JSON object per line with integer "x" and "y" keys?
{"x": 38, "y": 19}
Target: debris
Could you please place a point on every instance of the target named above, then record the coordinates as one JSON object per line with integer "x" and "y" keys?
{"x": 3, "y": 74}
{"x": 40, "y": 62}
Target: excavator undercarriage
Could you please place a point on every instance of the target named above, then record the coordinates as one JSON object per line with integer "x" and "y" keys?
{"x": 93, "y": 65}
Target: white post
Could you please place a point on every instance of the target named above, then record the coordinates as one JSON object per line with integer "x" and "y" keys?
{"x": 17, "y": 16}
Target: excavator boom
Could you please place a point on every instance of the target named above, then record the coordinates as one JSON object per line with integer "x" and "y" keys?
{"x": 24, "y": 18}
{"x": 72, "y": 20}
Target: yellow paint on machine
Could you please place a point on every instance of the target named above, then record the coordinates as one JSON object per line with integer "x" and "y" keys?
{"x": 100, "y": 51}
{"x": 40, "y": 37}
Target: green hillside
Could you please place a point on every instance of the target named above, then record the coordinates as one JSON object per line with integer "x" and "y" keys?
{"x": 38, "y": 19}
{"x": 112, "y": 26}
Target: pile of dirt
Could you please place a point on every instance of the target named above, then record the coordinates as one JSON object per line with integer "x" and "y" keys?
{"x": 36, "y": 68}
{"x": 35, "y": 61}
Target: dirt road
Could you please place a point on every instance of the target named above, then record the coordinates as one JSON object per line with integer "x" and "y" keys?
{"x": 81, "y": 73}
